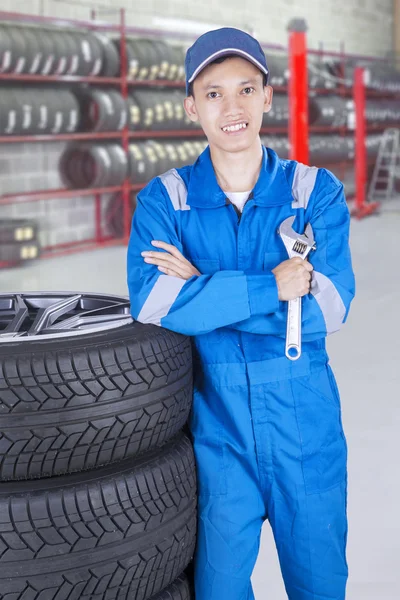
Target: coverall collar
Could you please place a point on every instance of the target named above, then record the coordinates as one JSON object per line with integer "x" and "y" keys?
{"x": 271, "y": 189}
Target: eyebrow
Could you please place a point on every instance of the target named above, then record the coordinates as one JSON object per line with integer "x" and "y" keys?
{"x": 219, "y": 87}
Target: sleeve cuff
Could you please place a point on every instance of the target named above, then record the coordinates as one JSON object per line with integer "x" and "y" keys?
{"x": 263, "y": 294}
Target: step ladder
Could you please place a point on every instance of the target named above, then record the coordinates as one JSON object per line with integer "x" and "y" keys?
{"x": 387, "y": 167}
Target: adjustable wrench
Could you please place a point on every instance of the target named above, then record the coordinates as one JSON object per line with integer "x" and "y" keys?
{"x": 300, "y": 246}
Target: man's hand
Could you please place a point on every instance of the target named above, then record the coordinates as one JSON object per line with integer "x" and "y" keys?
{"x": 293, "y": 278}
{"x": 171, "y": 262}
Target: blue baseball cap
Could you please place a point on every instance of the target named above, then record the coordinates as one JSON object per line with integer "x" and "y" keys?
{"x": 220, "y": 42}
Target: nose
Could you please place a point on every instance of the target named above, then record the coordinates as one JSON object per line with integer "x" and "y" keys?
{"x": 233, "y": 107}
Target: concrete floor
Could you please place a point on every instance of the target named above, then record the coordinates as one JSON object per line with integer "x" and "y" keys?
{"x": 364, "y": 358}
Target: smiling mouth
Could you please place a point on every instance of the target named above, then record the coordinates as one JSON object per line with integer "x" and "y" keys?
{"x": 234, "y": 128}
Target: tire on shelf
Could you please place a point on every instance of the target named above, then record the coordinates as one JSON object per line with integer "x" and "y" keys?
{"x": 162, "y": 155}
{"x": 138, "y": 164}
{"x": 17, "y": 253}
{"x": 34, "y": 53}
{"x": 114, "y": 214}
{"x": 146, "y": 103}
{"x": 328, "y": 111}
{"x": 5, "y": 50}
{"x": 90, "y": 53}
{"x": 134, "y": 113}
{"x": 278, "y": 66}
{"x": 152, "y": 54}
{"x": 63, "y": 52}
{"x": 50, "y": 56}
{"x": 139, "y": 48}
{"x": 164, "y": 58}
{"x": 72, "y": 111}
{"x": 110, "y": 57}
{"x": 124, "y": 531}
{"x": 19, "y": 50}
{"x": 93, "y": 165}
{"x": 101, "y": 110}
{"x": 10, "y": 113}
{"x": 47, "y": 111}
{"x": 17, "y": 230}
{"x": 77, "y": 399}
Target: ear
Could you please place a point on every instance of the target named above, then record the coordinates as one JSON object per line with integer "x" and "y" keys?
{"x": 268, "y": 94}
{"x": 190, "y": 108}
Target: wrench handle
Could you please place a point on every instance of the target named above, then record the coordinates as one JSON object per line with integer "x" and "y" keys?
{"x": 293, "y": 331}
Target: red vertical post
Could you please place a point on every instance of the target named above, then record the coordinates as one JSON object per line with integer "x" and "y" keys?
{"x": 298, "y": 91}
{"x": 97, "y": 198}
{"x": 362, "y": 207}
{"x": 126, "y": 191}
{"x": 360, "y": 149}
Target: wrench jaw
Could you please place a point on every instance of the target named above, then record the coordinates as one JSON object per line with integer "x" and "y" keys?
{"x": 296, "y": 245}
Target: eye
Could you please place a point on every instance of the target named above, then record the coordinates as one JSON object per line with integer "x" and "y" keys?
{"x": 248, "y": 90}
{"x": 212, "y": 95}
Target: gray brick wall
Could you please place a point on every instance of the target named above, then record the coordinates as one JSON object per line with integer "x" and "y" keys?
{"x": 366, "y": 26}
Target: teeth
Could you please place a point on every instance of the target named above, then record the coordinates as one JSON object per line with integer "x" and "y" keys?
{"x": 237, "y": 127}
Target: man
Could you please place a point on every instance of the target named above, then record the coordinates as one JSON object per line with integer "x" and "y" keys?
{"x": 267, "y": 431}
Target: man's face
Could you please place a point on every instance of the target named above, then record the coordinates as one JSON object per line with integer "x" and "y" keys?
{"x": 229, "y": 102}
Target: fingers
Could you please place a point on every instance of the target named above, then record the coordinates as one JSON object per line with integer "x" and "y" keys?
{"x": 171, "y": 272}
{"x": 301, "y": 262}
{"x": 169, "y": 248}
{"x": 162, "y": 259}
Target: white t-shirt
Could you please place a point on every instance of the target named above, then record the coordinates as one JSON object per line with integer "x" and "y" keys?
{"x": 239, "y": 199}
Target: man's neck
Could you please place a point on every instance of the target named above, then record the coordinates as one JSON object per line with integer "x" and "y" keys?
{"x": 237, "y": 171}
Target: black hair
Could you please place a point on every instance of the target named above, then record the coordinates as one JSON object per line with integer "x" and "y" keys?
{"x": 220, "y": 60}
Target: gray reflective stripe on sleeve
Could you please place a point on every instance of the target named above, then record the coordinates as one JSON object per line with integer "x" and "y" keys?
{"x": 158, "y": 304}
{"x": 329, "y": 301}
{"x": 303, "y": 185}
{"x": 176, "y": 189}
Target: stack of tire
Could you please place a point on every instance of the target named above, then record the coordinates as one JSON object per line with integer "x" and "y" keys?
{"x": 98, "y": 483}
{"x": 44, "y": 51}
{"x": 103, "y": 165}
{"x": 19, "y": 242}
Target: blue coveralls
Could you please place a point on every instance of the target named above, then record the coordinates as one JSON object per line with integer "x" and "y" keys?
{"x": 267, "y": 432}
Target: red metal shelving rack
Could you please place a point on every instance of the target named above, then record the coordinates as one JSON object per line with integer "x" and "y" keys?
{"x": 299, "y": 128}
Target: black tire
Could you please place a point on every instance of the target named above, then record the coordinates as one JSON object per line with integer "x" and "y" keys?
{"x": 152, "y": 54}
{"x": 87, "y": 165}
{"x": 5, "y": 50}
{"x": 164, "y": 58}
{"x": 110, "y": 56}
{"x": 179, "y": 590}
{"x": 122, "y": 392}
{"x": 18, "y": 253}
{"x": 19, "y": 49}
{"x": 11, "y": 112}
{"x": 134, "y": 114}
{"x": 140, "y": 50}
{"x": 98, "y": 110}
{"x": 47, "y": 112}
{"x": 138, "y": 167}
{"x": 50, "y": 56}
{"x": 72, "y": 112}
{"x": 33, "y": 51}
{"x": 17, "y": 230}
{"x": 132, "y": 58}
{"x": 115, "y": 213}
{"x": 122, "y": 532}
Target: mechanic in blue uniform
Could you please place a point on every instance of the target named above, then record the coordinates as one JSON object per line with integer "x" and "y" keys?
{"x": 205, "y": 260}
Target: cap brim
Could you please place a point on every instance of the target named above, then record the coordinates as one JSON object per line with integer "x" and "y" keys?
{"x": 224, "y": 52}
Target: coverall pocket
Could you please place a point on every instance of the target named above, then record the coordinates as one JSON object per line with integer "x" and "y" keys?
{"x": 206, "y": 266}
{"x": 323, "y": 444}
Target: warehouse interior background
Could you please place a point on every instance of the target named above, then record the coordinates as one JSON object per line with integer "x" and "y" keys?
{"x": 70, "y": 238}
